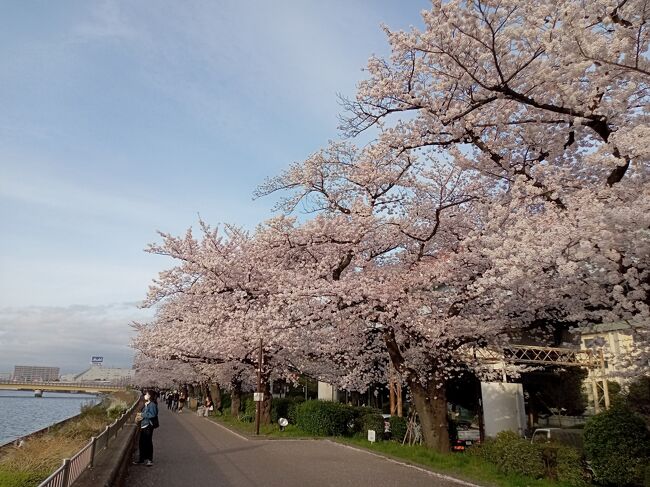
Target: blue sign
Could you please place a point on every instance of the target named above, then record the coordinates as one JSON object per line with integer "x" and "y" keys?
{"x": 97, "y": 360}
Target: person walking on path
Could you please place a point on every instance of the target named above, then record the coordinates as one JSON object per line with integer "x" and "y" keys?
{"x": 149, "y": 417}
{"x": 175, "y": 401}
{"x": 181, "y": 401}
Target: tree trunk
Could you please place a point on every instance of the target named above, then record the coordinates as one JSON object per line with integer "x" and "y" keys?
{"x": 215, "y": 395}
{"x": 235, "y": 398}
{"x": 431, "y": 405}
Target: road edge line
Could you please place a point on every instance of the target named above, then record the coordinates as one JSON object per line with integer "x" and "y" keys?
{"x": 227, "y": 429}
{"x": 416, "y": 467}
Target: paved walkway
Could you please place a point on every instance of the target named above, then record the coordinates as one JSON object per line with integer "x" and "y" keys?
{"x": 190, "y": 451}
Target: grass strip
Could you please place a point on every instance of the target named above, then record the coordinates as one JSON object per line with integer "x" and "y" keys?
{"x": 266, "y": 430}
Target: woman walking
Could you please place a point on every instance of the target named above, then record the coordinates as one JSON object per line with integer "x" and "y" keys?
{"x": 149, "y": 416}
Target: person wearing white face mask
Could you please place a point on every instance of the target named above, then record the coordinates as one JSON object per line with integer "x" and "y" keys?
{"x": 148, "y": 421}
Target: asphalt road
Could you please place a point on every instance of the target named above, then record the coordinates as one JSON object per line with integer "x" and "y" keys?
{"x": 190, "y": 451}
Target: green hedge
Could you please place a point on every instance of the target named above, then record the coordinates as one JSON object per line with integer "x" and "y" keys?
{"x": 617, "y": 444}
{"x": 397, "y": 428}
{"x": 285, "y": 407}
{"x": 514, "y": 455}
{"x": 564, "y": 464}
{"x": 373, "y": 421}
{"x": 324, "y": 418}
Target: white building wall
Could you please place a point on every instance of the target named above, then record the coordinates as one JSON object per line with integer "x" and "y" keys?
{"x": 503, "y": 407}
{"x": 326, "y": 392}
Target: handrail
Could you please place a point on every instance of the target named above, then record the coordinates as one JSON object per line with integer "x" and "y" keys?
{"x": 72, "y": 468}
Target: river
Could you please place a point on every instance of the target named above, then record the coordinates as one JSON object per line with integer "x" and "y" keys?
{"x": 21, "y": 413}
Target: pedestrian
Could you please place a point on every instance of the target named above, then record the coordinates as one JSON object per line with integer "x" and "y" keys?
{"x": 181, "y": 401}
{"x": 208, "y": 406}
{"x": 175, "y": 401}
{"x": 148, "y": 418}
{"x": 170, "y": 399}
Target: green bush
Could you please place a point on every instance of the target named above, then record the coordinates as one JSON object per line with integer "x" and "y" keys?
{"x": 617, "y": 444}
{"x": 638, "y": 396}
{"x": 564, "y": 464}
{"x": 397, "y": 428}
{"x": 116, "y": 410}
{"x": 512, "y": 454}
{"x": 285, "y": 407}
{"x": 248, "y": 415}
{"x": 373, "y": 421}
{"x": 323, "y": 418}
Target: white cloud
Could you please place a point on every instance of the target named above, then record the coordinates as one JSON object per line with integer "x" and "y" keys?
{"x": 67, "y": 337}
{"x": 64, "y": 196}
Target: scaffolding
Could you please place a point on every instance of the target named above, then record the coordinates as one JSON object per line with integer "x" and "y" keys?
{"x": 593, "y": 360}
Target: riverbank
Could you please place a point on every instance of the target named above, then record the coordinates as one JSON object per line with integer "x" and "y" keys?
{"x": 22, "y": 414}
{"x": 30, "y": 464}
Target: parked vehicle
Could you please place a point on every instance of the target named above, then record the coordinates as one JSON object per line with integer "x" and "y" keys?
{"x": 568, "y": 437}
{"x": 464, "y": 436}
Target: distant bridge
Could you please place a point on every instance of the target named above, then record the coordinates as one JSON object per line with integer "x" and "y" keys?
{"x": 88, "y": 387}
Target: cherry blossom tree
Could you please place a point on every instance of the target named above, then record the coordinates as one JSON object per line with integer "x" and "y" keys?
{"x": 215, "y": 306}
{"x": 505, "y": 189}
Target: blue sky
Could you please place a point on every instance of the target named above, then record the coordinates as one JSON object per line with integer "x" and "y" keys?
{"x": 122, "y": 118}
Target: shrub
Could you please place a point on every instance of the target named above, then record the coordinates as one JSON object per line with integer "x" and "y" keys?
{"x": 373, "y": 421}
{"x": 397, "y": 428}
{"x": 323, "y": 418}
{"x": 638, "y": 396}
{"x": 358, "y": 421}
{"x": 292, "y": 411}
{"x": 248, "y": 415}
{"x": 285, "y": 407}
{"x": 617, "y": 443}
{"x": 512, "y": 454}
{"x": 564, "y": 464}
{"x": 116, "y": 409}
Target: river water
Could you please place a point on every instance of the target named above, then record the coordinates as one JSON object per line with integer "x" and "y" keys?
{"x": 21, "y": 413}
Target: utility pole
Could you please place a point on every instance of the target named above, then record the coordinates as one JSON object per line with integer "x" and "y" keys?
{"x": 260, "y": 394}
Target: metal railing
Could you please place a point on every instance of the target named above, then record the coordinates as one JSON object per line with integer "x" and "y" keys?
{"x": 73, "y": 467}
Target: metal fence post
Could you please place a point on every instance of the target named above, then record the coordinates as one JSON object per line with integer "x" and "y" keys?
{"x": 108, "y": 435}
{"x": 66, "y": 472}
{"x": 93, "y": 445}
